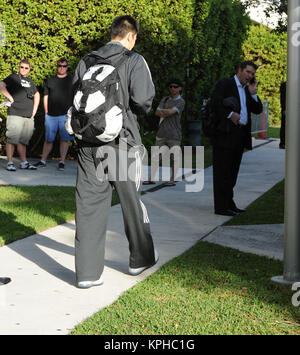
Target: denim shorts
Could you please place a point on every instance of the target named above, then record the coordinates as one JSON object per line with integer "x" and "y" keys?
{"x": 54, "y": 124}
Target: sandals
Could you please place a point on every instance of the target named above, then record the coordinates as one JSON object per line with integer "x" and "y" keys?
{"x": 148, "y": 182}
{"x": 170, "y": 183}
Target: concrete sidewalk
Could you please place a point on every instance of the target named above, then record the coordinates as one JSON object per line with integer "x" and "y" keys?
{"x": 42, "y": 298}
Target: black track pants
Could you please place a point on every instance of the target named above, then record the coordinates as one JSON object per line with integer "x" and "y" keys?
{"x": 97, "y": 173}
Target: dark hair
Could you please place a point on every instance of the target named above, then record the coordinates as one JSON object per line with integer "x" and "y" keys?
{"x": 62, "y": 60}
{"x": 25, "y": 61}
{"x": 122, "y": 25}
{"x": 244, "y": 64}
{"x": 175, "y": 81}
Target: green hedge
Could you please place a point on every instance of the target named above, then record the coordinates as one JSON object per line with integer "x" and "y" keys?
{"x": 268, "y": 49}
{"x": 202, "y": 37}
{"x": 220, "y": 30}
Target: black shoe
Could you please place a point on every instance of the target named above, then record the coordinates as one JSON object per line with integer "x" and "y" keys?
{"x": 238, "y": 210}
{"x": 61, "y": 166}
{"x": 40, "y": 164}
{"x": 281, "y": 146}
{"x": 4, "y": 280}
{"x": 226, "y": 213}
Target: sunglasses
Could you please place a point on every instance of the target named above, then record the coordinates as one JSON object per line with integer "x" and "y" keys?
{"x": 26, "y": 68}
{"x": 174, "y": 86}
{"x": 62, "y": 65}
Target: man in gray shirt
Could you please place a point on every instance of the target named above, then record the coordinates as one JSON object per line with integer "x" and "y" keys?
{"x": 169, "y": 133}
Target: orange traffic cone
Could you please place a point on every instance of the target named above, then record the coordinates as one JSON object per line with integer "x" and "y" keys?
{"x": 263, "y": 126}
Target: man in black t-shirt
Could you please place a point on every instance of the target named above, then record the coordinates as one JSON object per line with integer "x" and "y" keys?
{"x": 57, "y": 101}
{"x": 24, "y": 98}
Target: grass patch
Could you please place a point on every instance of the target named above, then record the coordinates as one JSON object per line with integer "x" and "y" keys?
{"x": 26, "y": 210}
{"x": 208, "y": 290}
{"x": 273, "y": 131}
{"x": 268, "y": 209}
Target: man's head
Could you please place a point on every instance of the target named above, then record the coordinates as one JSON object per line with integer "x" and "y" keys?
{"x": 124, "y": 29}
{"x": 246, "y": 72}
{"x": 175, "y": 87}
{"x": 62, "y": 67}
{"x": 24, "y": 67}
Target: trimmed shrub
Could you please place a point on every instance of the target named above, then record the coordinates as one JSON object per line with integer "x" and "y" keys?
{"x": 198, "y": 41}
{"x": 268, "y": 49}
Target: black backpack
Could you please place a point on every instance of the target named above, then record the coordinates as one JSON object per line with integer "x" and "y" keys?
{"x": 97, "y": 113}
{"x": 208, "y": 119}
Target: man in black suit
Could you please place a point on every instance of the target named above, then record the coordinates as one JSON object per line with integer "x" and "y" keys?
{"x": 233, "y": 100}
{"x": 283, "y": 111}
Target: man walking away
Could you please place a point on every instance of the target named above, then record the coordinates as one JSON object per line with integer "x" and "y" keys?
{"x": 95, "y": 177}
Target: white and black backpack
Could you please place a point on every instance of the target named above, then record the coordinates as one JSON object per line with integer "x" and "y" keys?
{"x": 98, "y": 113}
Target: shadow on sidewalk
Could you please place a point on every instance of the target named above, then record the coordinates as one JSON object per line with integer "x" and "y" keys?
{"x": 34, "y": 246}
{"x": 33, "y": 251}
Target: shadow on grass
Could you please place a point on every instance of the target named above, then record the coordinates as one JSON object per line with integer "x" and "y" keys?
{"x": 11, "y": 229}
{"x": 31, "y": 209}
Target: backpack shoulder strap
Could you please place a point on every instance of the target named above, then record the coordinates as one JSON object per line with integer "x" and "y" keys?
{"x": 123, "y": 59}
{"x": 93, "y": 58}
{"x": 90, "y": 60}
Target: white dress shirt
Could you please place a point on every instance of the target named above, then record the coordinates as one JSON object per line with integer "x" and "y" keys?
{"x": 244, "y": 113}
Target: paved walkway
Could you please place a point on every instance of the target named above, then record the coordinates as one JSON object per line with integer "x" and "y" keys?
{"x": 42, "y": 299}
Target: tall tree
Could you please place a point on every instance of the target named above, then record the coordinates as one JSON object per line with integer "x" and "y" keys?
{"x": 273, "y": 6}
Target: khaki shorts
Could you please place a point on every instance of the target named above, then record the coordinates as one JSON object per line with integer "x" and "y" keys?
{"x": 168, "y": 142}
{"x": 19, "y": 129}
{"x": 166, "y": 146}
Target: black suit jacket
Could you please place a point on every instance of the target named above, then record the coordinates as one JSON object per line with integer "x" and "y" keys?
{"x": 225, "y": 128}
{"x": 283, "y": 97}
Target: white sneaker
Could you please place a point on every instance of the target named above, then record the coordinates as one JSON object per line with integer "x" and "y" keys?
{"x": 88, "y": 284}
{"x": 139, "y": 270}
{"x": 11, "y": 167}
{"x": 28, "y": 166}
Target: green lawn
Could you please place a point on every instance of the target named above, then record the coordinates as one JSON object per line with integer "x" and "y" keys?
{"x": 266, "y": 210}
{"x": 207, "y": 290}
{"x": 30, "y": 209}
{"x": 26, "y": 210}
{"x": 273, "y": 131}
